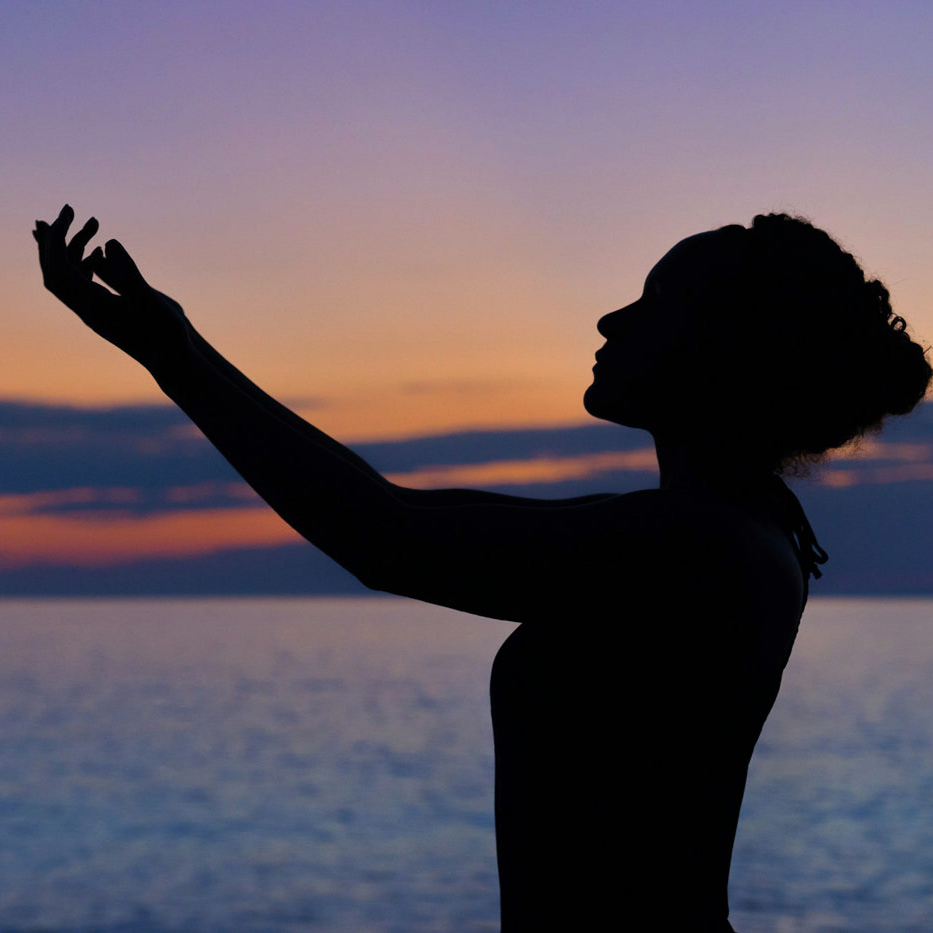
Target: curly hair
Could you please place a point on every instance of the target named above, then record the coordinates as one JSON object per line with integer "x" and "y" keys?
{"x": 815, "y": 349}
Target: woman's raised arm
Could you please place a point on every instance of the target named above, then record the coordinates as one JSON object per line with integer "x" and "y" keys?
{"x": 481, "y": 552}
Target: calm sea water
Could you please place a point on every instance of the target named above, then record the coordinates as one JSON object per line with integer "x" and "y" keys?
{"x": 326, "y": 765}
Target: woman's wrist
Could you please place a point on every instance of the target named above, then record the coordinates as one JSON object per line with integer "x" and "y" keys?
{"x": 172, "y": 363}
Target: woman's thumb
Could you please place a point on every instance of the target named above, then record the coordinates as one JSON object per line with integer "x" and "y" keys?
{"x": 117, "y": 269}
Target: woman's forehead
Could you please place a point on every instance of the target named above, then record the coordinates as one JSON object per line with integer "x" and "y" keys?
{"x": 711, "y": 256}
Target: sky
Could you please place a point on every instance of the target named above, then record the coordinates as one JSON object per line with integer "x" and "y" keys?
{"x": 405, "y": 218}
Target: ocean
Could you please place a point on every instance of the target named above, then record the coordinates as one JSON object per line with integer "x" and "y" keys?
{"x": 286, "y": 765}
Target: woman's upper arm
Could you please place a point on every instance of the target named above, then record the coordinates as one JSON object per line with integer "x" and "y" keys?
{"x": 494, "y": 555}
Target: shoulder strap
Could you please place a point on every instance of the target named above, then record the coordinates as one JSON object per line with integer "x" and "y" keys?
{"x": 808, "y": 549}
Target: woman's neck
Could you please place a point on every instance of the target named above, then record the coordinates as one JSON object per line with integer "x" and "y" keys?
{"x": 692, "y": 466}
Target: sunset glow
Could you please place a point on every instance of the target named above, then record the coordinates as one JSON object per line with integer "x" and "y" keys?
{"x": 405, "y": 219}
{"x": 92, "y": 541}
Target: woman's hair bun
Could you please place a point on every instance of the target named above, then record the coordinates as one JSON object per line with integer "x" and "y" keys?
{"x": 822, "y": 354}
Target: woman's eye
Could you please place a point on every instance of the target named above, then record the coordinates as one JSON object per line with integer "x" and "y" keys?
{"x": 652, "y": 290}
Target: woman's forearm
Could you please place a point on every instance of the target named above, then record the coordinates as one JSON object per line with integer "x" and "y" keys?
{"x": 272, "y": 406}
{"x": 324, "y": 491}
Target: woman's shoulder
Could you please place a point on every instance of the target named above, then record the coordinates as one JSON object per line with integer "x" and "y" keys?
{"x": 724, "y": 546}
{"x": 697, "y": 513}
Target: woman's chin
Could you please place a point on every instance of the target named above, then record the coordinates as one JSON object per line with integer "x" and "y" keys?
{"x": 596, "y": 404}
{"x": 591, "y": 401}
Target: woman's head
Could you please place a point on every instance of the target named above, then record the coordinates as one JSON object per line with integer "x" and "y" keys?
{"x": 766, "y": 342}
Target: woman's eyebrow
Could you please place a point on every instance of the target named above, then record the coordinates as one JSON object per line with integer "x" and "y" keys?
{"x": 652, "y": 284}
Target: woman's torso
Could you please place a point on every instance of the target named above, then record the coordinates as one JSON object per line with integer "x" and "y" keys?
{"x": 626, "y": 713}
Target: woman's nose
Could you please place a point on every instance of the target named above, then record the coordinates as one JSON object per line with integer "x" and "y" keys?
{"x": 609, "y": 324}
{"x": 604, "y": 324}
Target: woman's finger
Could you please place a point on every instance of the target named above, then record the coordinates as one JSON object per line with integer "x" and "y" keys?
{"x": 117, "y": 269}
{"x": 54, "y": 254}
{"x": 43, "y": 234}
{"x": 60, "y": 225}
{"x": 80, "y": 240}
{"x": 89, "y": 264}
{"x": 40, "y": 233}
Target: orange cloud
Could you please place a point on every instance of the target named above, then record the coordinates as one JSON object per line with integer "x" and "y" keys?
{"x": 871, "y": 449}
{"x": 899, "y": 473}
{"x": 519, "y": 472}
{"x": 94, "y": 540}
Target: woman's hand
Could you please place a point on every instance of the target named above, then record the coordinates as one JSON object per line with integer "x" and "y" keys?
{"x": 149, "y": 326}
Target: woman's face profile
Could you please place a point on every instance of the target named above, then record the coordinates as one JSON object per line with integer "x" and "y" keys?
{"x": 648, "y": 341}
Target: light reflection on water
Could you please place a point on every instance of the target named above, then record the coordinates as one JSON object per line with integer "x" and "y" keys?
{"x": 836, "y": 831}
{"x": 298, "y": 765}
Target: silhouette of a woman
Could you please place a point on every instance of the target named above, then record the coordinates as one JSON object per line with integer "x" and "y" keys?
{"x": 655, "y": 626}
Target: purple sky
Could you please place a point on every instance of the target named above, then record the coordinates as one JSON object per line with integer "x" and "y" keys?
{"x": 413, "y": 213}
